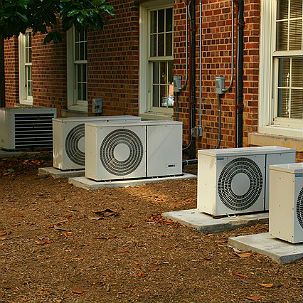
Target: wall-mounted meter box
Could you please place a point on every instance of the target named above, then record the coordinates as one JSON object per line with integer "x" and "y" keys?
{"x": 97, "y": 106}
{"x": 220, "y": 85}
{"x": 177, "y": 84}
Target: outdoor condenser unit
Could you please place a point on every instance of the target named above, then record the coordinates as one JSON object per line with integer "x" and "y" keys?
{"x": 286, "y": 202}
{"x": 133, "y": 150}
{"x": 235, "y": 180}
{"x": 69, "y": 142}
{"x": 26, "y": 128}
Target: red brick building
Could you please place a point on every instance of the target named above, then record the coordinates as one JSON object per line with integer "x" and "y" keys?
{"x": 131, "y": 64}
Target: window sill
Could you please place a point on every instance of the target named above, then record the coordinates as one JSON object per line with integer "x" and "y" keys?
{"x": 263, "y": 139}
{"x": 157, "y": 116}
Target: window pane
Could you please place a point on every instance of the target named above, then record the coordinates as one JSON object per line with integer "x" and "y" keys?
{"x": 82, "y": 51}
{"x": 297, "y": 72}
{"x": 84, "y": 92}
{"x": 153, "y": 45}
{"x": 282, "y": 9}
{"x": 295, "y": 35}
{"x": 282, "y": 35}
{"x": 153, "y": 25}
{"x": 296, "y": 104}
{"x": 296, "y": 8}
{"x": 156, "y": 96}
{"x": 169, "y": 44}
{"x": 283, "y": 103}
{"x": 79, "y": 73}
{"x": 161, "y": 45}
{"x": 169, "y": 20}
{"x": 284, "y": 72}
{"x": 161, "y": 21}
{"x": 84, "y": 72}
{"x": 163, "y": 72}
{"x": 164, "y": 95}
{"x": 170, "y": 72}
{"x": 77, "y": 51}
{"x": 79, "y": 91}
{"x": 156, "y": 73}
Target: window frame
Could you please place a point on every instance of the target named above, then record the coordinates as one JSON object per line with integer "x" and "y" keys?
{"x": 268, "y": 77}
{"x": 72, "y": 88}
{"x": 146, "y": 61}
{"x": 24, "y": 98}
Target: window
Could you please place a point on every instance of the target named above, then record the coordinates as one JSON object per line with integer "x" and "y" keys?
{"x": 25, "y": 69}
{"x": 156, "y": 58}
{"x": 77, "y": 69}
{"x": 281, "y": 77}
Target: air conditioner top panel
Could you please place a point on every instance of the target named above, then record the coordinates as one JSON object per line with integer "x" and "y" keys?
{"x": 246, "y": 151}
{"x": 96, "y": 118}
{"x": 141, "y": 123}
{"x": 293, "y": 168}
{"x": 28, "y": 110}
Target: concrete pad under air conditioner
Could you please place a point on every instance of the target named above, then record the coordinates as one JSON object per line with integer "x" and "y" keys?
{"x": 15, "y": 154}
{"x": 207, "y": 224}
{"x": 278, "y": 250}
{"x": 89, "y": 184}
{"x": 57, "y": 173}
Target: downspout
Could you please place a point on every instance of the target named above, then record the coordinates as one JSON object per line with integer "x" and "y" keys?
{"x": 240, "y": 72}
{"x": 192, "y": 147}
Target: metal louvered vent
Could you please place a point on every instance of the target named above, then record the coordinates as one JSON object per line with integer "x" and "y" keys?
{"x": 300, "y": 208}
{"x": 72, "y": 144}
{"x": 228, "y": 196}
{"x": 107, "y": 152}
{"x": 33, "y": 131}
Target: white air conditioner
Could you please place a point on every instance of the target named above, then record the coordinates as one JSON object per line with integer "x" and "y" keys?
{"x": 234, "y": 181}
{"x": 23, "y": 128}
{"x": 286, "y": 202}
{"x": 69, "y": 142}
{"x": 133, "y": 150}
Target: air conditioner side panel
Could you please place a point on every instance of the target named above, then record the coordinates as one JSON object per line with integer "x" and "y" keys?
{"x": 164, "y": 150}
{"x": 273, "y": 159}
{"x": 58, "y": 146}
{"x": 7, "y": 129}
{"x": 206, "y": 191}
{"x": 281, "y": 205}
{"x": 92, "y": 153}
{"x": 298, "y": 229}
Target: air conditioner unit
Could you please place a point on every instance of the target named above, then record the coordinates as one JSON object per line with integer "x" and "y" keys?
{"x": 286, "y": 202}
{"x": 235, "y": 180}
{"x": 134, "y": 150}
{"x": 69, "y": 142}
{"x": 24, "y": 128}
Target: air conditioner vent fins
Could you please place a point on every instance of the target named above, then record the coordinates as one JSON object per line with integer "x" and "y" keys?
{"x": 107, "y": 152}
{"x": 300, "y": 208}
{"x": 72, "y": 144}
{"x": 228, "y": 196}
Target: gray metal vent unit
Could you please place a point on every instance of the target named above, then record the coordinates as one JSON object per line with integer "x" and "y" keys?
{"x": 26, "y": 128}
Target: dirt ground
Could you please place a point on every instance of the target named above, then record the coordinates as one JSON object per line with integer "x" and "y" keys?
{"x": 57, "y": 244}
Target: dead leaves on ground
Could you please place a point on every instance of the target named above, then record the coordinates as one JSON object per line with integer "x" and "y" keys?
{"x": 159, "y": 219}
{"x": 255, "y": 298}
{"x": 103, "y": 214}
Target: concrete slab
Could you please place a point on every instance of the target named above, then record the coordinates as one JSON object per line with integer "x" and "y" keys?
{"x": 88, "y": 184}
{"x": 57, "y": 173}
{"x": 10, "y": 154}
{"x": 278, "y": 250}
{"x": 207, "y": 224}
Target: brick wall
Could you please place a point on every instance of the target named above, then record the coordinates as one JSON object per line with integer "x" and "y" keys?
{"x": 216, "y": 58}
{"x": 11, "y": 71}
{"x": 49, "y": 73}
{"x": 113, "y": 61}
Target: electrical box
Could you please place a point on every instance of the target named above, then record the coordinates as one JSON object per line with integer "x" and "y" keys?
{"x": 220, "y": 85}
{"x": 177, "y": 84}
{"x": 97, "y": 106}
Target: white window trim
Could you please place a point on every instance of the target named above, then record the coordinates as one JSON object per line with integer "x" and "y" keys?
{"x": 144, "y": 75}
{"x": 266, "y": 90}
{"x": 23, "y": 98}
{"x": 71, "y": 91}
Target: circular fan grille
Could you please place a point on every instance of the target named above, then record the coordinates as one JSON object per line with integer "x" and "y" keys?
{"x": 300, "y": 208}
{"x": 107, "y": 156}
{"x": 252, "y": 171}
{"x": 72, "y": 144}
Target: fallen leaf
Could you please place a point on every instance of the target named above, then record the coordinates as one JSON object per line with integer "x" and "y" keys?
{"x": 266, "y": 285}
{"x": 244, "y": 254}
{"x": 58, "y": 228}
{"x": 106, "y": 213}
{"x": 78, "y": 291}
{"x": 255, "y": 298}
{"x": 43, "y": 241}
{"x": 3, "y": 233}
{"x": 67, "y": 234}
{"x": 140, "y": 274}
{"x": 238, "y": 274}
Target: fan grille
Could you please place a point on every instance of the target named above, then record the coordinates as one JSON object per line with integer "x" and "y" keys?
{"x": 252, "y": 171}
{"x": 300, "y": 208}
{"x": 72, "y": 144}
{"x": 107, "y": 156}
